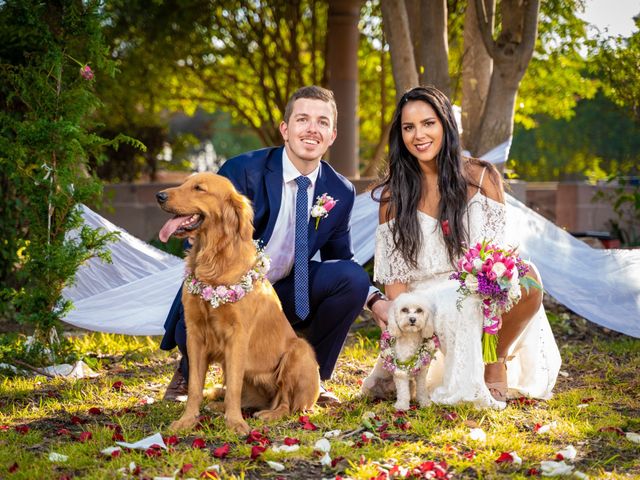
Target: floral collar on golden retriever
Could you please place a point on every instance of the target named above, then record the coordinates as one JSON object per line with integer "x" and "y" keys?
{"x": 222, "y": 294}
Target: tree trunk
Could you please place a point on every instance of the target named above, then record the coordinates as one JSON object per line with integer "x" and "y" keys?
{"x": 476, "y": 75}
{"x": 434, "y": 45}
{"x": 395, "y": 22}
{"x": 497, "y": 119}
{"x": 511, "y": 54}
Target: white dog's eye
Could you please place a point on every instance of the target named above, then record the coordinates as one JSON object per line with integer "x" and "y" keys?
{"x": 404, "y": 310}
{"x": 419, "y": 310}
{"x": 198, "y": 188}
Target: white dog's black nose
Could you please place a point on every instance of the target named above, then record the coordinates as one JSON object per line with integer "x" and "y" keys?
{"x": 412, "y": 320}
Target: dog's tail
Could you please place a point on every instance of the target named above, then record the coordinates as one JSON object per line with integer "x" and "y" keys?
{"x": 297, "y": 376}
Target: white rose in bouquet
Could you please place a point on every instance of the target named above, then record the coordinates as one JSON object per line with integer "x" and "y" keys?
{"x": 477, "y": 264}
{"x": 318, "y": 211}
{"x": 498, "y": 268}
{"x": 472, "y": 283}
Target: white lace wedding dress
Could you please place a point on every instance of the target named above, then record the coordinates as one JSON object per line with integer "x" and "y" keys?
{"x": 457, "y": 374}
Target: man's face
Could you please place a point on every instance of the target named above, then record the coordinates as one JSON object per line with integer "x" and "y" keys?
{"x": 309, "y": 132}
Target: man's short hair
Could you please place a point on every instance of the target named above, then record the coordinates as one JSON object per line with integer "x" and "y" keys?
{"x": 314, "y": 92}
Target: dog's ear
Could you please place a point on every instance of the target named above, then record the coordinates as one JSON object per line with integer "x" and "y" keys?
{"x": 237, "y": 217}
{"x": 429, "y": 328}
{"x": 392, "y": 325}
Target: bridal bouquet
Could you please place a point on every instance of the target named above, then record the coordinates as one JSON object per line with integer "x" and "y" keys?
{"x": 496, "y": 275}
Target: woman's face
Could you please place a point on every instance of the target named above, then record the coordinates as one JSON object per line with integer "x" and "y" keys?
{"x": 422, "y": 130}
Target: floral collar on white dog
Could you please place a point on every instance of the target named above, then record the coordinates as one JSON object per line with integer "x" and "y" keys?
{"x": 413, "y": 365}
{"x": 222, "y": 294}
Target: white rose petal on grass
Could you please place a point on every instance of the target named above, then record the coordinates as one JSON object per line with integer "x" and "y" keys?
{"x": 516, "y": 458}
{"x": 57, "y": 457}
{"x": 325, "y": 460}
{"x": 581, "y": 475}
{"x": 368, "y": 435}
{"x": 213, "y": 468}
{"x": 285, "y": 448}
{"x": 332, "y": 433}
{"x": 550, "y": 468}
{"x": 109, "y": 451}
{"x": 164, "y": 478}
{"x": 478, "y": 435}
{"x": 367, "y": 415}
{"x": 633, "y": 437}
{"x": 278, "y": 467}
{"x": 323, "y": 445}
{"x": 547, "y": 427}
{"x": 568, "y": 453}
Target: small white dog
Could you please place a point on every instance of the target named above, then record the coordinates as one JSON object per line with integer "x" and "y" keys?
{"x": 406, "y": 349}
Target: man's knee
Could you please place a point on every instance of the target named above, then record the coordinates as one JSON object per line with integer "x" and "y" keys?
{"x": 355, "y": 277}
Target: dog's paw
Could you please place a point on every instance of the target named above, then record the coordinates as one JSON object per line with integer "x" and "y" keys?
{"x": 401, "y": 405}
{"x": 183, "y": 424}
{"x": 424, "y": 402}
{"x": 237, "y": 425}
{"x": 271, "y": 415}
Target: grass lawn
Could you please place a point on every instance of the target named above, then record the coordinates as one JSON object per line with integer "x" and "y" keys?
{"x": 51, "y": 428}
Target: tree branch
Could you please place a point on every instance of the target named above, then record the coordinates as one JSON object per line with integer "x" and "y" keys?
{"x": 484, "y": 25}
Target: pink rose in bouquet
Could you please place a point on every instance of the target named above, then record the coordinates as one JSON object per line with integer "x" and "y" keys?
{"x": 495, "y": 275}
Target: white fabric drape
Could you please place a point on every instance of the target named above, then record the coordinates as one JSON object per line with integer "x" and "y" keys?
{"x": 133, "y": 295}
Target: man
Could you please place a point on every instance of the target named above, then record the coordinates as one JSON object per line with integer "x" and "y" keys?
{"x": 321, "y": 298}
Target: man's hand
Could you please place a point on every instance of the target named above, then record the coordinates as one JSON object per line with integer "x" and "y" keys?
{"x": 380, "y": 313}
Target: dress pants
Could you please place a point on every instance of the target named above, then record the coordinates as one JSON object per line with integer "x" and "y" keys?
{"x": 337, "y": 291}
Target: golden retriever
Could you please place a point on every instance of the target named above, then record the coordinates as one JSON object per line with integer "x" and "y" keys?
{"x": 264, "y": 363}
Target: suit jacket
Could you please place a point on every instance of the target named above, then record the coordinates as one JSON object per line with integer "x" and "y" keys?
{"x": 258, "y": 175}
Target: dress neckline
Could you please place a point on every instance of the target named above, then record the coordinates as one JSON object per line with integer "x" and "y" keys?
{"x": 424, "y": 214}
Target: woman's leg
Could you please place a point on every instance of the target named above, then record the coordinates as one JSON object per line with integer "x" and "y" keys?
{"x": 513, "y": 324}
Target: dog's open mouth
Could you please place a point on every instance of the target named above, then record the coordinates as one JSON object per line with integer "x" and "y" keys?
{"x": 179, "y": 225}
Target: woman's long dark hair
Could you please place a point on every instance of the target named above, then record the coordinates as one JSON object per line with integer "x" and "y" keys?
{"x": 401, "y": 186}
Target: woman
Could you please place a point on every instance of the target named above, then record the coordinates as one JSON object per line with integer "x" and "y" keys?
{"x": 433, "y": 202}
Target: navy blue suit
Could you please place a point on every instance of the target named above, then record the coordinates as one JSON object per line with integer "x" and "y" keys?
{"x": 338, "y": 286}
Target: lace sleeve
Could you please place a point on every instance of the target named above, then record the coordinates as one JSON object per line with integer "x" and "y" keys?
{"x": 489, "y": 222}
{"x": 389, "y": 266}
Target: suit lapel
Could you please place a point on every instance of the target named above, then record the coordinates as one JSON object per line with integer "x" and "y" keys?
{"x": 273, "y": 181}
{"x": 320, "y": 188}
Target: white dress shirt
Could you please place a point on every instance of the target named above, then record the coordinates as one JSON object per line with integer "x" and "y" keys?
{"x": 281, "y": 245}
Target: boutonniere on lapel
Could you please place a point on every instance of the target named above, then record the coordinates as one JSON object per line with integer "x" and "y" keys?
{"x": 324, "y": 204}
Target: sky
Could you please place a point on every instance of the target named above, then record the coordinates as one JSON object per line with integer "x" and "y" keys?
{"x": 616, "y": 15}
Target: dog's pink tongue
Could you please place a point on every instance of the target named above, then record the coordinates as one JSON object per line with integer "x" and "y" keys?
{"x": 170, "y": 227}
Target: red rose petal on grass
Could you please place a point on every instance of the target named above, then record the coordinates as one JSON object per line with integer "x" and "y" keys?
{"x": 209, "y": 474}
{"x": 153, "y": 452}
{"x": 256, "y": 437}
{"x": 116, "y": 453}
{"x": 186, "y": 467}
{"x": 65, "y": 477}
{"x": 13, "y": 467}
{"x": 291, "y": 441}
{"x": 587, "y": 400}
{"x": 450, "y": 416}
{"x": 559, "y": 457}
{"x": 256, "y": 451}
{"x": 76, "y": 420}
{"x": 117, "y": 437}
{"x": 505, "y": 457}
{"x": 95, "y": 411}
{"x": 4, "y": 427}
{"x": 84, "y": 436}
{"x": 22, "y": 429}
{"x": 117, "y": 386}
{"x": 172, "y": 440}
{"x": 198, "y": 443}
{"x": 537, "y": 427}
{"x": 617, "y": 430}
{"x": 533, "y": 472}
{"x": 335, "y": 461}
{"x": 384, "y": 435}
{"x": 306, "y": 423}
{"x": 63, "y": 431}
{"x": 222, "y": 452}
{"x": 470, "y": 455}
